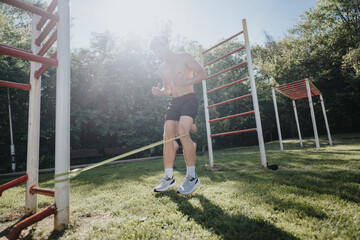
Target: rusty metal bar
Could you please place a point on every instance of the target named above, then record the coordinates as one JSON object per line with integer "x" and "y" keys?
{"x": 43, "y": 68}
{"x": 48, "y": 44}
{"x": 227, "y": 85}
{"x": 218, "y": 59}
{"x": 232, "y": 116}
{"x": 45, "y": 32}
{"x": 228, "y": 39}
{"x": 231, "y": 100}
{"x": 15, "y": 85}
{"x": 43, "y": 20}
{"x": 32, "y": 9}
{"x": 226, "y": 70}
{"x": 26, "y": 55}
{"x": 233, "y": 132}
{"x": 13, "y": 183}
{"x": 15, "y": 232}
{"x": 42, "y": 191}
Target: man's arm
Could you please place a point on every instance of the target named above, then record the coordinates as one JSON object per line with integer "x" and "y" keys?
{"x": 193, "y": 65}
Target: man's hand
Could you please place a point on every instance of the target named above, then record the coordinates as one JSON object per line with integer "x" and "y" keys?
{"x": 156, "y": 91}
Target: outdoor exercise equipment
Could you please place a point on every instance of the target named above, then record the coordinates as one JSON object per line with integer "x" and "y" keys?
{"x": 295, "y": 91}
{"x": 253, "y": 94}
{"x": 57, "y": 24}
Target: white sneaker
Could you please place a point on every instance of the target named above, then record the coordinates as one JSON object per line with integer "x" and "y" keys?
{"x": 165, "y": 184}
{"x": 188, "y": 185}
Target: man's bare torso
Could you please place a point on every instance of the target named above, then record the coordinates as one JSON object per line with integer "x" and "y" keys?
{"x": 174, "y": 68}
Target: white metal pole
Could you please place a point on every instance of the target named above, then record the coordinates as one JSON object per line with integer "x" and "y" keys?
{"x": 62, "y": 122}
{"x": 312, "y": 115}
{"x": 277, "y": 119}
{"x": 297, "y": 122}
{"x": 207, "y": 115}
{"x": 33, "y": 146}
{"x": 325, "y": 118}
{"x": 254, "y": 96}
{"x": 12, "y": 146}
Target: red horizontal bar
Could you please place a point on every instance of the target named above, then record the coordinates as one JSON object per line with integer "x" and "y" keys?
{"x": 214, "y": 61}
{"x": 222, "y": 42}
{"x": 232, "y": 116}
{"x": 48, "y": 44}
{"x": 43, "y": 20}
{"x": 45, "y": 32}
{"x": 13, "y": 183}
{"x": 231, "y": 100}
{"x": 298, "y": 85}
{"x": 32, "y": 9}
{"x": 227, "y": 85}
{"x": 294, "y": 86}
{"x": 43, "y": 68}
{"x": 15, "y": 232}
{"x": 42, "y": 191}
{"x": 298, "y": 81}
{"x": 226, "y": 70}
{"x": 20, "y": 53}
{"x": 234, "y": 132}
{"x": 15, "y": 85}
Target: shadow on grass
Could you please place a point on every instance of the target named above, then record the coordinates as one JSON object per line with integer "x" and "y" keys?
{"x": 6, "y": 231}
{"x": 226, "y": 226}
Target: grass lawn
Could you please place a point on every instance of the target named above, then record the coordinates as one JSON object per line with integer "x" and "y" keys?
{"x": 313, "y": 195}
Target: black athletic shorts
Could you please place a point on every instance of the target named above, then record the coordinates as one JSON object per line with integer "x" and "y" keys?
{"x": 186, "y": 105}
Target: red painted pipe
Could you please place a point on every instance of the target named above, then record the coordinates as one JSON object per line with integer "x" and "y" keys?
{"x": 214, "y": 61}
{"x": 231, "y": 100}
{"x": 226, "y": 70}
{"x": 32, "y": 9}
{"x": 13, "y": 183}
{"x": 223, "y": 42}
{"x": 43, "y": 68}
{"x": 15, "y": 85}
{"x": 234, "y": 132}
{"x": 48, "y": 44}
{"x": 43, "y": 20}
{"x": 45, "y": 32}
{"x": 232, "y": 116}
{"x": 15, "y": 232}
{"x": 227, "y": 85}
{"x": 42, "y": 191}
{"x": 20, "y": 53}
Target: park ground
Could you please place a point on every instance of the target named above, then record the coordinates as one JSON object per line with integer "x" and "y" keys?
{"x": 313, "y": 195}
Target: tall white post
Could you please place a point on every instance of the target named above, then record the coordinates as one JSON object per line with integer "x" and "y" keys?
{"x": 12, "y": 146}
{"x": 254, "y": 96}
{"x": 207, "y": 115}
{"x": 277, "y": 119}
{"x": 325, "y": 118}
{"x": 62, "y": 122}
{"x": 33, "y": 146}
{"x": 297, "y": 122}
{"x": 312, "y": 115}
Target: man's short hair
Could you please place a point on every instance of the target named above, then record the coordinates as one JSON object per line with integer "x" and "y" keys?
{"x": 158, "y": 41}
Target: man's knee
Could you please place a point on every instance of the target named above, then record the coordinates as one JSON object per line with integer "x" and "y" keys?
{"x": 182, "y": 131}
{"x": 169, "y": 130}
{"x": 168, "y": 135}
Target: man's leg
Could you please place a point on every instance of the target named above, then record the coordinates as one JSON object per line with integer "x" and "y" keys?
{"x": 170, "y": 129}
{"x": 191, "y": 180}
{"x": 185, "y": 124}
{"x": 168, "y": 181}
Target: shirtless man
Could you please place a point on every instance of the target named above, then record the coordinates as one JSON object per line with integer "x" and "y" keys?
{"x": 179, "y": 72}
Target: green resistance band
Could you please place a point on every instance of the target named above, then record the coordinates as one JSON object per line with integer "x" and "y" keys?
{"x": 75, "y": 172}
